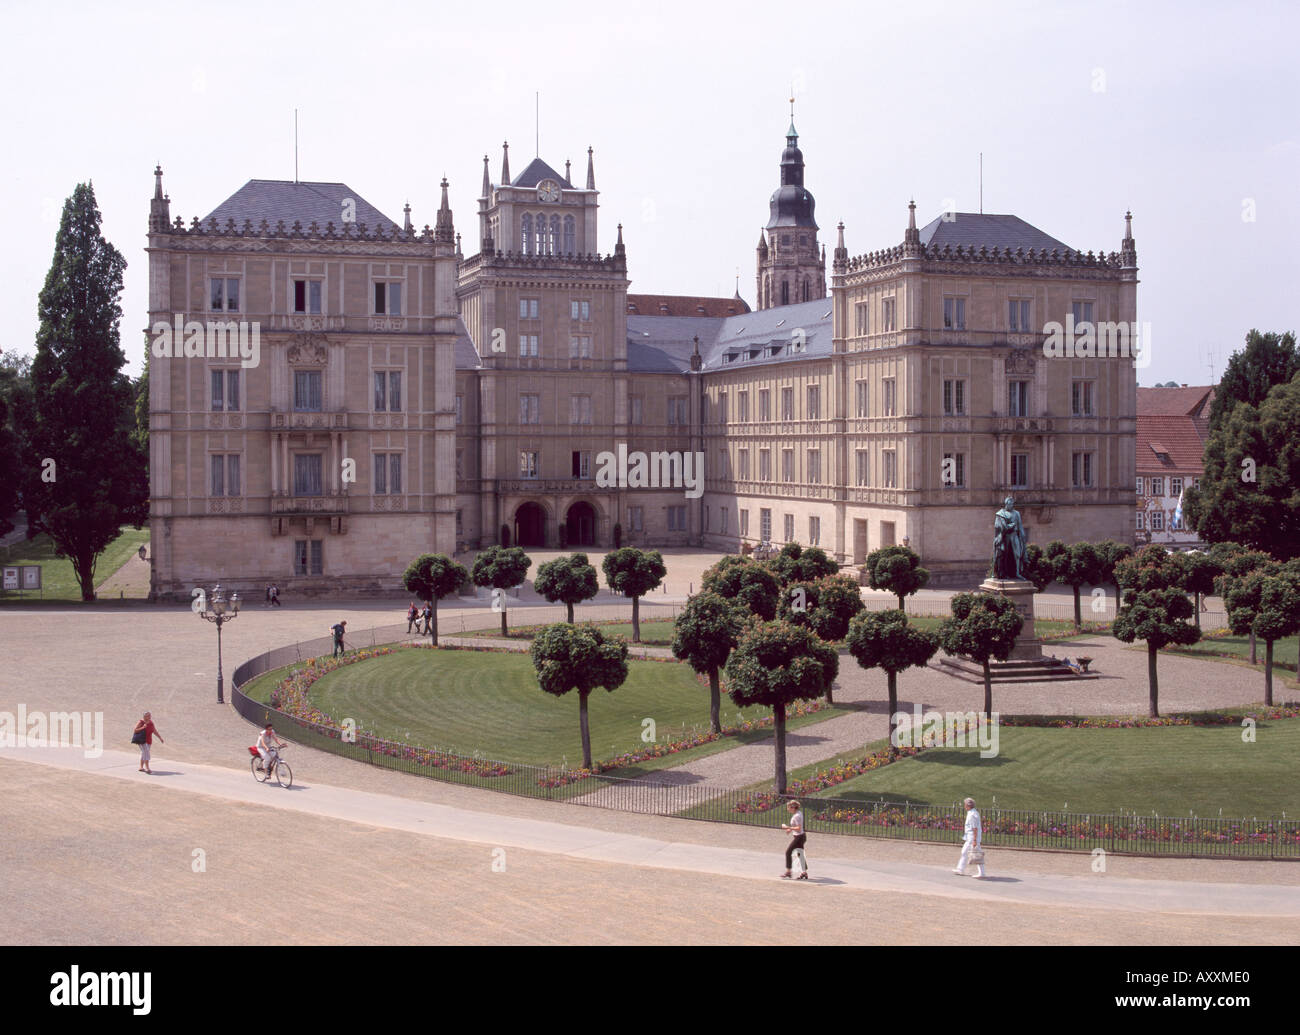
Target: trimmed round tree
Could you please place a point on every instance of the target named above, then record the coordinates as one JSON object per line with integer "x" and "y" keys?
{"x": 1199, "y": 573}
{"x": 776, "y": 664}
{"x": 897, "y": 570}
{"x": 751, "y": 582}
{"x": 578, "y": 657}
{"x": 634, "y": 573}
{"x": 501, "y": 567}
{"x": 983, "y": 626}
{"x": 1235, "y": 562}
{"x": 706, "y": 633}
{"x": 825, "y": 606}
{"x": 1075, "y": 565}
{"x": 570, "y": 580}
{"x": 883, "y": 639}
{"x": 795, "y": 564}
{"x": 1154, "y": 609}
{"x": 1267, "y": 606}
{"x": 1109, "y": 554}
{"x": 432, "y": 576}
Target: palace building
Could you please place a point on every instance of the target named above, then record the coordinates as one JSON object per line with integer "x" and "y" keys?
{"x": 404, "y": 397}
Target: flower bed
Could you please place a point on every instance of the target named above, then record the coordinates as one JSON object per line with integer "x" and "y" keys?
{"x": 762, "y": 801}
{"x": 1284, "y": 711}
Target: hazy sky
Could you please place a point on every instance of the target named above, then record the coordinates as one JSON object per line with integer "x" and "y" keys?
{"x": 1183, "y": 112}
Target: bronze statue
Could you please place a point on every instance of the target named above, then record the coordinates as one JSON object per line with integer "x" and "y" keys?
{"x": 1008, "y": 542}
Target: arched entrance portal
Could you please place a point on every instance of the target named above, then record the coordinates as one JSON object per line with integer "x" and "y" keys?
{"x": 530, "y": 525}
{"x": 581, "y": 525}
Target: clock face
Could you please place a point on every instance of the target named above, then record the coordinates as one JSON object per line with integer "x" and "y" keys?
{"x": 549, "y": 191}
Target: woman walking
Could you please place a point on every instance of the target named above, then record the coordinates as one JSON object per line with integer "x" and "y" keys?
{"x": 797, "y": 840}
{"x": 146, "y": 727}
{"x": 972, "y": 844}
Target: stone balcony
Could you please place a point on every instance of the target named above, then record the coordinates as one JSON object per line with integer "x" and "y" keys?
{"x": 329, "y": 502}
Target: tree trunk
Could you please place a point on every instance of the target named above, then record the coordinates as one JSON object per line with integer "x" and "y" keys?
{"x": 900, "y": 604}
{"x": 1196, "y": 599}
{"x": 1254, "y": 659}
{"x": 1078, "y": 613}
{"x": 988, "y": 691}
{"x": 586, "y": 731}
{"x": 433, "y": 622}
{"x": 778, "y": 715}
{"x": 715, "y": 702}
{"x": 1268, "y": 672}
{"x": 84, "y": 568}
{"x": 893, "y": 707}
{"x": 570, "y": 607}
{"x": 504, "y": 631}
{"x": 636, "y": 619}
{"x": 1153, "y": 680}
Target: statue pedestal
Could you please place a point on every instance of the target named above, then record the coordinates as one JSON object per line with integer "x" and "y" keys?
{"x": 1021, "y": 593}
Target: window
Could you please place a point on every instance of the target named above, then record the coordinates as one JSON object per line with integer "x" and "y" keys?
{"x": 388, "y": 391}
{"x": 1018, "y": 398}
{"x": 579, "y": 409}
{"x": 744, "y": 522}
{"x": 388, "y": 473}
{"x": 580, "y": 311}
{"x": 887, "y": 314}
{"x": 814, "y": 403}
{"x": 530, "y": 409}
{"x": 1141, "y": 521}
{"x": 704, "y": 409}
{"x": 1157, "y": 521}
{"x": 742, "y": 461}
{"x": 789, "y": 528}
{"x": 307, "y": 479}
{"x": 1196, "y": 483}
{"x": 1018, "y": 314}
{"x": 954, "y": 314}
{"x": 636, "y": 410}
{"x": 635, "y": 518}
{"x": 814, "y": 467}
{"x": 460, "y": 463}
{"x": 1176, "y": 487}
{"x": 764, "y": 465}
{"x": 306, "y": 391}
{"x": 862, "y": 463}
{"x": 224, "y": 295}
{"x": 527, "y": 464}
{"x": 460, "y": 408}
{"x": 580, "y": 464}
{"x": 1081, "y": 398}
{"x": 862, "y": 318}
{"x": 889, "y": 458}
{"x": 580, "y": 346}
{"x": 1082, "y": 312}
{"x": 528, "y": 345}
{"x": 722, "y": 521}
{"x": 814, "y": 531}
{"x": 764, "y": 404}
{"x": 765, "y": 525}
{"x": 1019, "y": 470}
{"x": 953, "y": 471}
{"x": 526, "y": 234}
{"x": 787, "y": 465}
{"x": 1157, "y": 486}
{"x": 677, "y": 519}
{"x": 787, "y": 404}
{"x": 742, "y": 407}
{"x": 891, "y": 393}
{"x": 677, "y": 409}
{"x": 954, "y": 398}
{"x": 225, "y": 475}
{"x": 1175, "y": 522}
{"x": 388, "y": 298}
{"x": 306, "y": 296}
{"x": 1081, "y": 470}
{"x": 1140, "y": 486}
{"x": 706, "y": 519}
{"x": 303, "y": 549}
{"x": 460, "y": 522}
{"x": 570, "y": 236}
{"x": 225, "y": 390}
{"x": 722, "y": 407}
{"x": 528, "y": 307}
{"x": 860, "y": 391}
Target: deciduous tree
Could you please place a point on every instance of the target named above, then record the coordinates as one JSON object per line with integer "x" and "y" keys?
{"x": 983, "y": 626}
{"x": 570, "y": 580}
{"x": 634, "y": 573}
{"x": 578, "y": 657}
{"x": 746, "y": 580}
{"x": 1154, "y": 609}
{"x": 883, "y": 639}
{"x": 501, "y": 567}
{"x": 1267, "y": 606}
{"x": 897, "y": 570}
{"x": 432, "y": 576}
{"x": 706, "y": 633}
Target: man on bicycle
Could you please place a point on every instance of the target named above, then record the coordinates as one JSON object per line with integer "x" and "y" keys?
{"x": 266, "y": 748}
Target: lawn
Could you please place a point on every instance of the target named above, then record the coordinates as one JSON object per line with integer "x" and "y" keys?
{"x": 1284, "y": 650}
{"x": 57, "y": 578}
{"x": 489, "y": 702}
{"x": 1171, "y": 770}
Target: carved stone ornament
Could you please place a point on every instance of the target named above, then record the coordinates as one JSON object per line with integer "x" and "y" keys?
{"x": 1020, "y": 361}
{"x": 310, "y": 349}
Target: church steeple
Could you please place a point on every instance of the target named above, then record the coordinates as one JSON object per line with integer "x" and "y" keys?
{"x": 791, "y": 262}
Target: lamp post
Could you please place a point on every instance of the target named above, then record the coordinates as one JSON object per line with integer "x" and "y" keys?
{"x": 219, "y": 612}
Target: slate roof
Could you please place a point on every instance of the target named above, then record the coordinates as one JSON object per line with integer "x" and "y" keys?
{"x": 305, "y": 203}
{"x": 684, "y": 305}
{"x": 536, "y": 172}
{"x": 467, "y": 357}
{"x": 977, "y": 230}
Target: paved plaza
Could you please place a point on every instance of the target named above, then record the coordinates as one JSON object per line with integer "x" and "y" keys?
{"x": 359, "y": 855}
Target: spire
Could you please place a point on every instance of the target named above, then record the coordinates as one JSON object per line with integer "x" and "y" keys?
{"x": 792, "y": 134}
{"x": 487, "y": 182}
{"x": 697, "y": 361}
{"x": 841, "y": 262}
{"x": 567, "y": 176}
{"x": 505, "y": 163}
{"x": 159, "y": 205}
{"x": 442, "y": 229}
{"x": 911, "y": 214}
{"x": 157, "y": 182}
{"x": 459, "y": 253}
{"x": 1128, "y": 247}
{"x": 618, "y": 246}
{"x": 762, "y": 243}
{"x": 407, "y": 210}
{"x": 912, "y": 237}
{"x": 591, "y": 171}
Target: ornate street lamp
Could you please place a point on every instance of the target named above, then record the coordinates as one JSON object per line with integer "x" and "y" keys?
{"x": 219, "y": 612}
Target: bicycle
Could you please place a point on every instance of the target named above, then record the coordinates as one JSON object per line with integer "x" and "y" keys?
{"x": 279, "y": 768}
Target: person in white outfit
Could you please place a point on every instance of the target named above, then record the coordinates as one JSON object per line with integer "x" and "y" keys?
{"x": 972, "y": 840}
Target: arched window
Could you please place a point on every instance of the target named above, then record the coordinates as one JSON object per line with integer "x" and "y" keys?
{"x": 543, "y": 238}
{"x": 527, "y": 235}
{"x": 785, "y": 292}
{"x": 555, "y": 235}
{"x": 570, "y": 235}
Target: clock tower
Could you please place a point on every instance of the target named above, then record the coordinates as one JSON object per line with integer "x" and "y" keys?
{"x": 791, "y": 264}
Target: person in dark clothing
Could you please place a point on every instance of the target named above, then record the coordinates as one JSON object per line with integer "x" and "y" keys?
{"x": 338, "y": 631}
{"x": 412, "y": 617}
{"x": 797, "y": 840}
